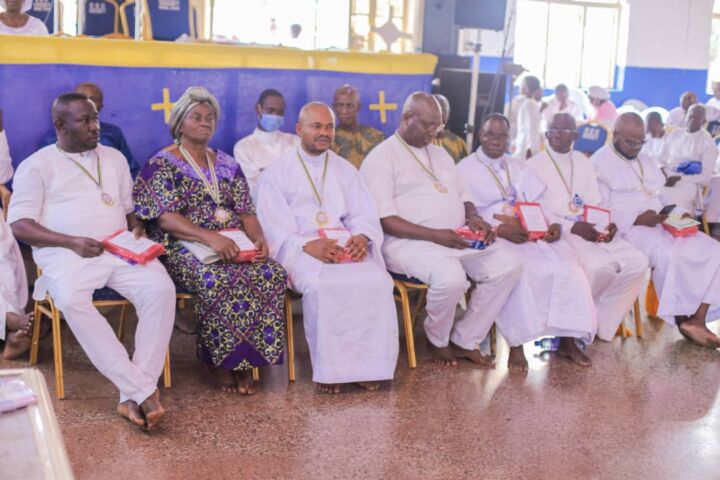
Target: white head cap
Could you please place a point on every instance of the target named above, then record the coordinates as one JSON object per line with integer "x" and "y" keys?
{"x": 598, "y": 92}
{"x": 27, "y": 5}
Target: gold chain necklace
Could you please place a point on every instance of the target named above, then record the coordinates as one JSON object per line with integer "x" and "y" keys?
{"x": 105, "y": 197}
{"x": 321, "y": 218}
{"x": 220, "y": 214}
{"x": 436, "y": 181}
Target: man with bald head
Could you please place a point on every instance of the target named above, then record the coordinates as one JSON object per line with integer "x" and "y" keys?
{"x": 453, "y": 145}
{"x": 353, "y": 141}
{"x": 557, "y": 300}
{"x": 615, "y": 269}
{"x": 678, "y": 115}
{"x": 421, "y": 202}
{"x": 688, "y": 158}
{"x": 348, "y": 306}
{"x": 110, "y": 135}
{"x": 67, "y": 198}
{"x": 685, "y": 270}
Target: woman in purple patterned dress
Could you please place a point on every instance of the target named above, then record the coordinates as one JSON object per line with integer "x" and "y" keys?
{"x": 188, "y": 192}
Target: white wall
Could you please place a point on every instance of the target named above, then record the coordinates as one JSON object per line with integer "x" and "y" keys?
{"x": 669, "y": 33}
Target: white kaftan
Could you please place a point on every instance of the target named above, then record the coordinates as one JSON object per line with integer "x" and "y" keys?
{"x": 681, "y": 146}
{"x": 401, "y": 187}
{"x": 616, "y": 270}
{"x": 529, "y": 128}
{"x": 54, "y": 192}
{"x": 557, "y": 285}
{"x": 685, "y": 271}
{"x": 258, "y": 150}
{"x": 13, "y": 280}
{"x": 348, "y": 309}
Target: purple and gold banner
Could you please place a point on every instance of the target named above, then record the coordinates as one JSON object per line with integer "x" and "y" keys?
{"x": 141, "y": 80}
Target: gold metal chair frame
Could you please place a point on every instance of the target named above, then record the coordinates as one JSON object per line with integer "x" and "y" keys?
{"x": 5, "y": 195}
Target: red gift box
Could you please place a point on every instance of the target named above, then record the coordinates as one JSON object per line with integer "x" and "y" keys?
{"x": 522, "y": 209}
{"x": 124, "y": 244}
{"x": 681, "y": 232}
{"x": 342, "y": 235}
{"x": 467, "y": 234}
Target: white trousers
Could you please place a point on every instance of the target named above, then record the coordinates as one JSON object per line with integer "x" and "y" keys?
{"x": 712, "y": 201}
{"x": 496, "y": 272}
{"x": 616, "y": 272}
{"x": 149, "y": 289}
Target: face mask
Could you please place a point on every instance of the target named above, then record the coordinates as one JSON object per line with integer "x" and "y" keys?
{"x": 271, "y": 123}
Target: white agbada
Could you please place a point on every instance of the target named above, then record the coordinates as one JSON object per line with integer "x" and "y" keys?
{"x": 401, "y": 187}
{"x": 529, "y": 128}
{"x": 511, "y": 112}
{"x": 655, "y": 148}
{"x": 348, "y": 309}
{"x": 560, "y": 292}
{"x": 553, "y": 108}
{"x": 616, "y": 270}
{"x": 685, "y": 271}
{"x": 34, "y": 26}
{"x": 54, "y": 192}
{"x": 13, "y": 280}
{"x": 258, "y": 150}
{"x": 680, "y": 146}
{"x": 713, "y": 102}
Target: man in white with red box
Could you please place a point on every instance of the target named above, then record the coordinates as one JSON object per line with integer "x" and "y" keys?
{"x": 615, "y": 269}
{"x": 560, "y": 297}
{"x": 348, "y": 307}
{"x": 67, "y": 198}
{"x": 685, "y": 271}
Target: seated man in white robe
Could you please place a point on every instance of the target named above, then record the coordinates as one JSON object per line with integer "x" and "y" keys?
{"x": 348, "y": 307}
{"x": 655, "y": 138}
{"x": 560, "y": 103}
{"x": 678, "y": 115}
{"x": 615, "y": 269}
{"x": 685, "y": 270}
{"x": 421, "y": 201}
{"x": 267, "y": 143}
{"x": 68, "y": 197}
{"x": 562, "y": 301}
{"x": 14, "y": 322}
{"x": 689, "y": 144}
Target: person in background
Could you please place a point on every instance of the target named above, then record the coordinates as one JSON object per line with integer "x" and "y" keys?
{"x": 14, "y": 20}
{"x": 605, "y": 111}
{"x": 353, "y": 141}
{"x": 267, "y": 143}
{"x": 655, "y": 138}
{"x": 561, "y": 103}
{"x": 528, "y": 139}
{"x": 453, "y": 144}
{"x": 678, "y": 115}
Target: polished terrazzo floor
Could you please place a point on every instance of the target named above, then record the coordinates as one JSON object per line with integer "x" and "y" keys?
{"x": 648, "y": 408}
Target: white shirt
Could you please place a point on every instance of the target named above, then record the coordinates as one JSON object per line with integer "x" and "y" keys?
{"x": 553, "y": 108}
{"x": 6, "y": 168}
{"x": 33, "y": 27}
{"x": 713, "y": 102}
{"x": 654, "y": 148}
{"x": 51, "y": 190}
{"x": 681, "y": 146}
{"x": 258, "y": 150}
{"x": 529, "y": 136}
{"x": 676, "y": 118}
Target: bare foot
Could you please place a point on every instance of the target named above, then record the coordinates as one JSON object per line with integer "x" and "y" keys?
{"x": 130, "y": 410}
{"x": 474, "y": 356}
{"x": 332, "y": 389}
{"x": 517, "y": 363}
{"x": 442, "y": 355}
{"x": 244, "y": 382}
{"x": 569, "y": 349}
{"x": 369, "y": 386}
{"x": 696, "y": 333}
{"x": 153, "y": 410}
{"x": 19, "y": 322}
{"x": 224, "y": 379}
{"x": 16, "y": 344}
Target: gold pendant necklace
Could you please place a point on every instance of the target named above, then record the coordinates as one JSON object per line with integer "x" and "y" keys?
{"x": 321, "y": 218}
{"x": 105, "y": 197}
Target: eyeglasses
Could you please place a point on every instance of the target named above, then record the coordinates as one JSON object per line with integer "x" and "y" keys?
{"x": 632, "y": 143}
{"x": 560, "y": 131}
{"x": 500, "y": 137}
{"x": 430, "y": 126}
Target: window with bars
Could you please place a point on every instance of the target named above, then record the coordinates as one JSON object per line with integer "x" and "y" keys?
{"x": 568, "y": 41}
{"x": 368, "y": 15}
